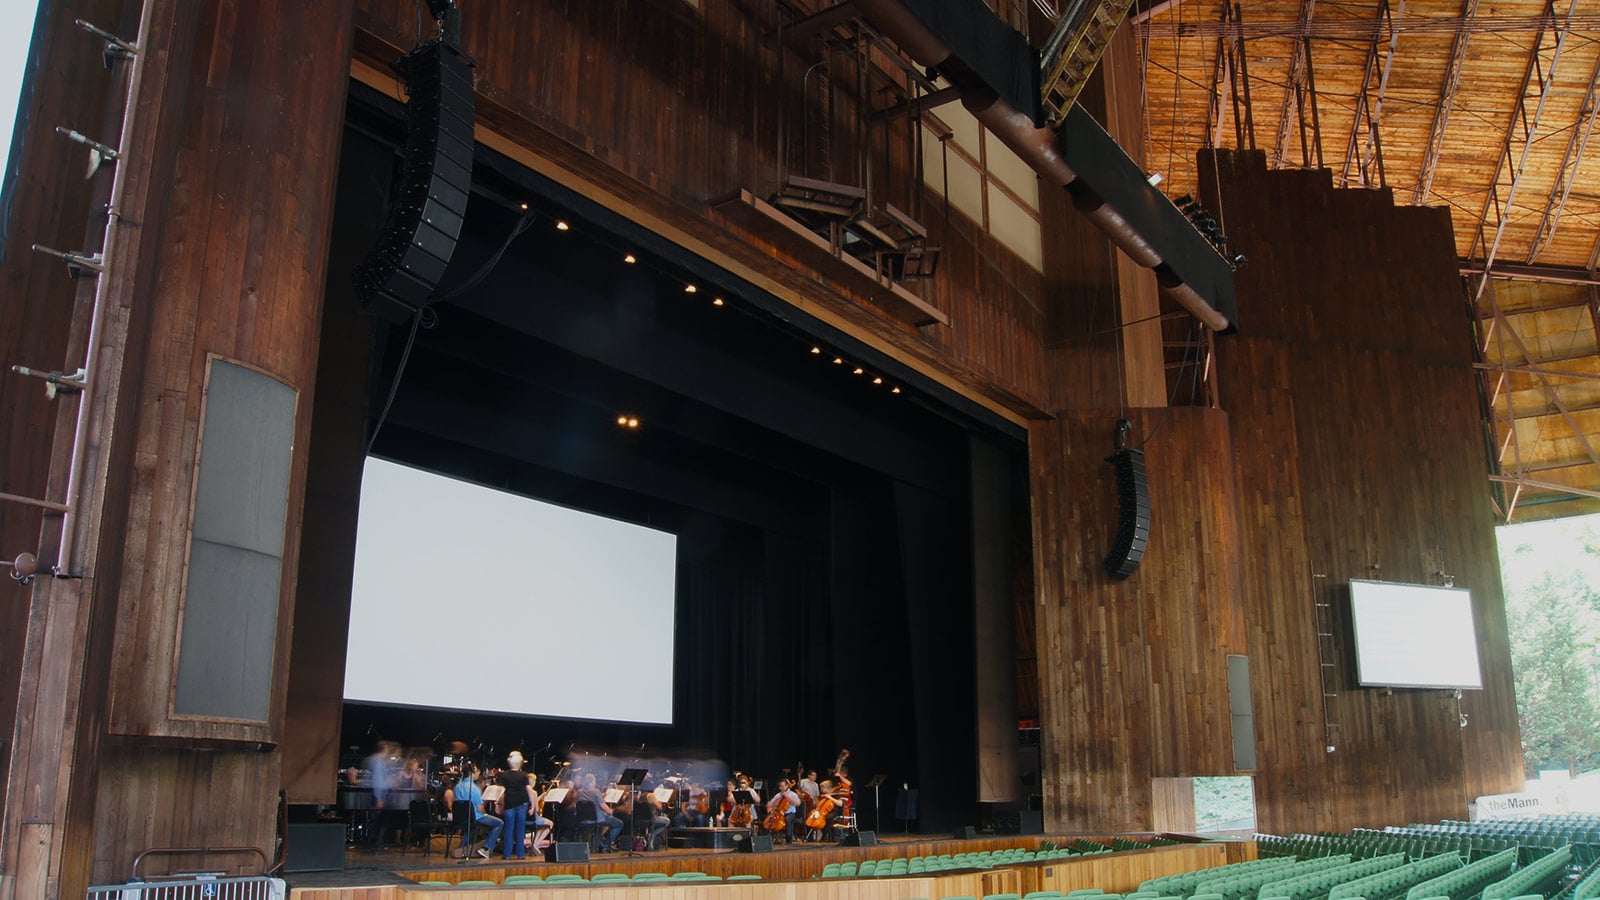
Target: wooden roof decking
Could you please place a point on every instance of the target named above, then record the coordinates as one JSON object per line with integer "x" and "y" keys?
{"x": 1487, "y": 108}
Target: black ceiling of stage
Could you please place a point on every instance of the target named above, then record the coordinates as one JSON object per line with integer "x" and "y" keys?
{"x": 735, "y": 410}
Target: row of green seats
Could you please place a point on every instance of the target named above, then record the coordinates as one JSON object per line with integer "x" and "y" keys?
{"x": 1397, "y": 880}
{"x": 1468, "y": 880}
{"x": 1249, "y": 884}
{"x": 1587, "y": 887}
{"x": 920, "y": 865}
{"x": 1303, "y": 883}
{"x": 1184, "y": 883}
{"x": 1535, "y": 877}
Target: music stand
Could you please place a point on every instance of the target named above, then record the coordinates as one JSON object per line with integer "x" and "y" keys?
{"x": 877, "y": 805}
{"x": 632, "y": 778}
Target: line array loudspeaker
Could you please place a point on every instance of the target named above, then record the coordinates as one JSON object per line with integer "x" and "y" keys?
{"x": 1133, "y": 513}
{"x": 430, "y": 203}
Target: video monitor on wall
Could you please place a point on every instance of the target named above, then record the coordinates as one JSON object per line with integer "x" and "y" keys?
{"x": 469, "y": 598}
{"x": 1414, "y": 635}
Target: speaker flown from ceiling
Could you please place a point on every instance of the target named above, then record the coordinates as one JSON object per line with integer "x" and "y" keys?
{"x": 399, "y": 276}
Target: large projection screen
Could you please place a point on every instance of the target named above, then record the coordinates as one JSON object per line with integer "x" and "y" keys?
{"x": 1414, "y": 635}
{"x": 467, "y": 598}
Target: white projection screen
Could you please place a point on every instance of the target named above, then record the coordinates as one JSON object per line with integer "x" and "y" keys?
{"x": 1414, "y": 635}
{"x": 467, "y": 598}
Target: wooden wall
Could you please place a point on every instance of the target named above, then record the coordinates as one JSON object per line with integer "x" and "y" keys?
{"x": 1357, "y": 454}
{"x": 1133, "y": 674}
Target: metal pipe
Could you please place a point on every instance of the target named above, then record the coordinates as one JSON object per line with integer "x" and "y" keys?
{"x": 1036, "y": 146}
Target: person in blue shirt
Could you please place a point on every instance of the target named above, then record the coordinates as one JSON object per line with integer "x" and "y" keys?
{"x": 467, "y": 791}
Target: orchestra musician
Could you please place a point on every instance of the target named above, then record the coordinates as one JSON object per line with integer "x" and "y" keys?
{"x": 467, "y": 791}
{"x": 695, "y": 810}
{"x": 659, "y": 820}
{"x": 611, "y": 825}
{"x": 781, "y": 810}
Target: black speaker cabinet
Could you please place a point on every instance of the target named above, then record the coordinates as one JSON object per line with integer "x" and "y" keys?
{"x": 860, "y": 839}
{"x": 964, "y": 833}
{"x": 315, "y": 847}
{"x": 567, "y": 851}
{"x": 425, "y": 215}
{"x": 760, "y": 843}
{"x": 1133, "y": 513}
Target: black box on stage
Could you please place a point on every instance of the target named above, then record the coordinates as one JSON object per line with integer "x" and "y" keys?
{"x": 761, "y": 843}
{"x": 567, "y": 851}
{"x": 315, "y": 847}
{"x": 965, "y": 833}
{"x": 860, "y": 839}
{"x": 1032, "y": 821}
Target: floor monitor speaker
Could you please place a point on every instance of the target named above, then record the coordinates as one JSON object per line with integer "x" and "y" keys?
{"x": 567, "y": 851}
{"x": 760, "y": 843}
{"x": 1133, "y": 513}
{"x": 965, "y": 832}
{"x": 860, "y": 839}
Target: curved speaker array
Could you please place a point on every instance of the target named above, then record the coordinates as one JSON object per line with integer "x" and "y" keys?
{"x": 424, "y": 220}
{"x": 1133, "y": 513}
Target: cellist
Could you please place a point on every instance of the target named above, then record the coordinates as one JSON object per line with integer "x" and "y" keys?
{"x": 781, "y": 811}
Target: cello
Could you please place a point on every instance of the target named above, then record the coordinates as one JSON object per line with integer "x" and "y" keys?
{"x": 826, "y": 804}
{"x": 774, "y": 823}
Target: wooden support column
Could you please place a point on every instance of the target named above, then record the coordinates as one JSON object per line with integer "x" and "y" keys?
{"x": 227, "y": 205}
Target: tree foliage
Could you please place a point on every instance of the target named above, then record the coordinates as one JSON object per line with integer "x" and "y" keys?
{"x": 1553, "y": 614}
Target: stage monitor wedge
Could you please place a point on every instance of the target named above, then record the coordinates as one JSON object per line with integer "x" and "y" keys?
{"x": 399, "y": 275}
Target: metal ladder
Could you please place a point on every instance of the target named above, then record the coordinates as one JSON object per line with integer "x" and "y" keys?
{"x": 1074, "y": 49}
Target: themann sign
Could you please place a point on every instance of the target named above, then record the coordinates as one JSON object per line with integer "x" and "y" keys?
{"x": 1503, "y": 806}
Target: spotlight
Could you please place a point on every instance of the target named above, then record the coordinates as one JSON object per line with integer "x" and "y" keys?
{"x": 717, "y": 302}
{"x": 622, "y": 420}
{"x": 1154, "y": 179}
{"x": 523, "y": 206}
{"x": 24, "y": 568}
{"x": 629, "y": 259}
{"x": 690, "y": 289}
{"x": 1185, "y": 200}
{"x": 894, "y": 390}
{"x": 857, "y": 371}
{"x": 632, "y": 422}
{"x": 816, "y": 351}
{"x": 838, "y": 360}
{"x": 1238, "y": 260}
{"x": 562, "y": 226}
{"x": 877, "y": 380}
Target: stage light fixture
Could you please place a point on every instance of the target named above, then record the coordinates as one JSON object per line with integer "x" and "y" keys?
{"x": 622, "y": 420}
{"x": 857, "y": 371}
{"x": 633, "y": 423}
{"x": 629, "y": 259}
{"x": 876, "y": 380}
{"x": 816, "y": 351}
{"x": 894, "y": 390}
{"x": 523, "y": 206}
{"x": 717, "y": 302}
{"x": 562, "y": 226}
{"x": 690, "y": 288}
{"x": 838, "y": 360}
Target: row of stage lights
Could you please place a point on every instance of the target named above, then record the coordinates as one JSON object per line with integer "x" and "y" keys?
{"x": 1204, "y": 223}
{"x": 631, "y": 422}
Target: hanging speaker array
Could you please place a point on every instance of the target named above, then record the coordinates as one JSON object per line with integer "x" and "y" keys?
{"x": 1133, "y": 513}
{"x": 430, "y": 203}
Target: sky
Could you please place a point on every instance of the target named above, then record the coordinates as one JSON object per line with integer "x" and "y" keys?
{"x": 1556, "y": 544}
{"x": 13, "y": 56}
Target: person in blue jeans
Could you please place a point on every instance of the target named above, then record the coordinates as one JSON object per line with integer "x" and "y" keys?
{"x": 610, "y": 825}
{"x": 467, "y": 791}
{"x": 516, "y": 803}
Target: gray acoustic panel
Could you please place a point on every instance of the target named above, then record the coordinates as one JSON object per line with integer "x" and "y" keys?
{"x": 1242, "y": 712}
{"x": 230, "y": 603}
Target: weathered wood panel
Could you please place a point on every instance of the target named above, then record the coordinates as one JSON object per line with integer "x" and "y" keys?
{"x": 1353, "y": 409}
{"x": 238, "y": 275}
{"x": 1133, "y": 674}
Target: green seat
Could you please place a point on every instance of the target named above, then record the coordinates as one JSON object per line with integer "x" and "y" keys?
{"x": 436, "y": 883}
{"x": 831, "y": 870}
{"x": 1005, "y": 896}
{"x": 477, "y": 881}
{"x": 650, "y": 876}
{"x": 524, "y": 879}
{"x": 566, "y": 878}
{"x": 608, "y": 877}
{"x": 745, "y": 877}
{"x": 689, "y": 876}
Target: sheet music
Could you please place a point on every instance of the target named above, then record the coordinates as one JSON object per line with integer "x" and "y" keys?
{"x": 663, "y": 794}
{"x": 555, "y": 795}
{"x": 614, "y": 794}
